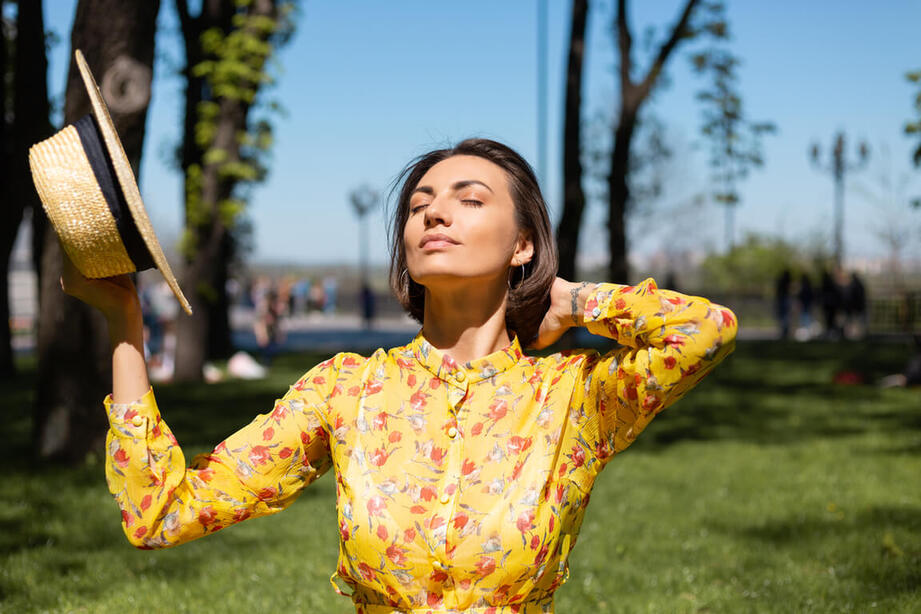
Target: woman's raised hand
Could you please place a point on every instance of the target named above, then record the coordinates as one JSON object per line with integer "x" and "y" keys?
{"x": 113, "y": 296}
{"x": 561, "y": 315}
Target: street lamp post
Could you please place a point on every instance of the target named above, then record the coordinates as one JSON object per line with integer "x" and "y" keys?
{"x": 839, "y": 167}
{"x": 542, "y": 94}
{"x": 363, "y": 199}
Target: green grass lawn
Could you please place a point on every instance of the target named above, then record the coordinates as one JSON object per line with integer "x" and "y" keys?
{"x": 768, "y": 489}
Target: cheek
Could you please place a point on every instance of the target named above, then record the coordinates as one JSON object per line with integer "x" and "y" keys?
{"x": 411, "y": 236}
{"x": 496, "y": 236}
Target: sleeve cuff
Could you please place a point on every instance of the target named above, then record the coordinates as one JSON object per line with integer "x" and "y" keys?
{"x": 132, "y": 418}
{"x": 627, "y": 314}
{"x": 596, "y": 316}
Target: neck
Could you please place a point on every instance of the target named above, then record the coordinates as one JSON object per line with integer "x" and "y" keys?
{"x": 466, "y": 322}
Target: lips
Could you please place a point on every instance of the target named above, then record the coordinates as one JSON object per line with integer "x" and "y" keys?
{"x": 437, "y": 240}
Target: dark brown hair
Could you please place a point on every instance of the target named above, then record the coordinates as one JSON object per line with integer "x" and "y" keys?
{"x": 529, "y": 297}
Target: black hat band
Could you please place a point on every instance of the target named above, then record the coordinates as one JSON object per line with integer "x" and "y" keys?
{"x": 101, "y": 163}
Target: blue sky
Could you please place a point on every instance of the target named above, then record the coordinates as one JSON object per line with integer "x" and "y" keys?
{"x": 368, "y": 85}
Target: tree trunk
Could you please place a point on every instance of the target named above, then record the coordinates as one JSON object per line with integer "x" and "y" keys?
{"x": 205, "y": 273}
{"x": 619, "y": 197}
{"x": 632, "y": 96}
{"x": 567, "y": 234}
{"x": 7, "y": 369}
{"x": 207, "y": 333}
{"x": 74, "y": 364}
{"x": 220, "y": 343}
{"x": 31, "y": 124}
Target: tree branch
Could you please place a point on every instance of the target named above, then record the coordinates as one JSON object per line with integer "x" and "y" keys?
{"x": 666, "y": 49}
{"x": 186, "y": 21}
{"x": 624, "y": 44}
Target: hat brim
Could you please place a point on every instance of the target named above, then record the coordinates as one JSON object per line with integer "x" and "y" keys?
{"x": 127, "y": 181}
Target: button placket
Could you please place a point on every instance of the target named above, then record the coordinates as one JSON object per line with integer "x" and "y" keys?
{"x": 457, "y": 388}
{"x": 450, "y": 488}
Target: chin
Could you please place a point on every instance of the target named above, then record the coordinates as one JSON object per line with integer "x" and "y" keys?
{"x": 433, "y": 277}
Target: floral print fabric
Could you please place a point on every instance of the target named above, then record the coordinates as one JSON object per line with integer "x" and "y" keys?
{"x": 460, "y": 487}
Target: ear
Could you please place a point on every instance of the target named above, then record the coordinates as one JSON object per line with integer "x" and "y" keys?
{"x": 524, "y": 249}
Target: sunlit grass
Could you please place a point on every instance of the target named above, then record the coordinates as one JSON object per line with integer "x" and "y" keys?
{"x": 768, "y": 489}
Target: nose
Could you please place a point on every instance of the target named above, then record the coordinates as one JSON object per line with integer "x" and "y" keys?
{"x": 438, "y": 213}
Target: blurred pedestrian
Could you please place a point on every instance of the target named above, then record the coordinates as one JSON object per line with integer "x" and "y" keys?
{"x": 783, "y": 302}
{"x": 366, "y": 297}
{"x": 805, "y": 297}
{"x": 330, "y": 289}
{"x": 671, "y": 280}
{"x": 911, "y": 374}
{"x": 267, "y": 324}
{"x": 831, "y": 305}
{"x": 317, "y": 296}
{"x": 301, "y": 294}
{"x": 855, "y": 307}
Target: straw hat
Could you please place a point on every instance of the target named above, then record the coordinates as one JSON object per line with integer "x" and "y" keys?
{"x": 90, "y": 194}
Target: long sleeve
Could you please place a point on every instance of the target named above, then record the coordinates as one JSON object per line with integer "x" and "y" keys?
{"x": 258, "y": 470}
{"x": 669, "y": 342}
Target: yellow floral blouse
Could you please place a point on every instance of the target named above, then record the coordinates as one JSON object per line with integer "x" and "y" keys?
{"x": 460, "y": 487}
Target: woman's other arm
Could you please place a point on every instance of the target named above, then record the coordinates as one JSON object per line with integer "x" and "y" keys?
{"x": 669, "y": 342}
{"x": 257, "y": 471}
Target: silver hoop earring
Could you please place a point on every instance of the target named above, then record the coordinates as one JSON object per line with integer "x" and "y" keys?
{"x": 404, "y": 275}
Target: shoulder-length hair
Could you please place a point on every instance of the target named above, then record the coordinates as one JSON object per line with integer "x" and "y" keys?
{"x": 529, "y": 294}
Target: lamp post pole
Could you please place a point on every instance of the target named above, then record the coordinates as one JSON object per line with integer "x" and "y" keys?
{"x": 542, "y": 94}
{"x": 363, "y": 199}
{"x": 839, "y": 168}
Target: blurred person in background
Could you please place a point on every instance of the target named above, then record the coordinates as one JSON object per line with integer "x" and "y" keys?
{"x": 855, "y": 307}
{"x": 367, "y": 300}
{"x": 300, "y": 293}
{"x": 153, "y": 327}
{"x": 911, "y": 375}
{"x": 463, "y": 464}
{"x": 831, "y": 305}
{"x": 783, "y": 302}
{"x": 330, "y": 290}
{"x": 805, "y": 298}
{"x": 270, "y": 310}
{"x": 317, "y": 297}
{"x": 286, "y": 295}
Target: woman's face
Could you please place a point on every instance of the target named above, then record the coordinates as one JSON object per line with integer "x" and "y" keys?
{"x": 462, "y": 224}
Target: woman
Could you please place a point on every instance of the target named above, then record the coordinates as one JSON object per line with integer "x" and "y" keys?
{"x": 463, "y": 466}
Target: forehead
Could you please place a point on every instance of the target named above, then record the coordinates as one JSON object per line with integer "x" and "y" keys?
{"x": 465, "y": 168}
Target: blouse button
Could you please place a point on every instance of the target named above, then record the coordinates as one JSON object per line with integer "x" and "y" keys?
{"x": 439, "y": 566}
{"x": 452, "y": 432}
{"x": 596, "y": 312}
{"x": 137, "y": 421}
{"x": 444, "y": 498}
{"x": 460, "y": 376}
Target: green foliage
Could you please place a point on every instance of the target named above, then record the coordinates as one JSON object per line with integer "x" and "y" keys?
{"x": 206, "y": 292}
{"x": 735, "y": 142}
{"x": 752, "y": 265}
{"x": 235, "y": 71}
{"x": 238, "y": 170}
{"x": 229, "y": 209}
{"x": 913, "y": 127}
{"x": 767, "y": 489}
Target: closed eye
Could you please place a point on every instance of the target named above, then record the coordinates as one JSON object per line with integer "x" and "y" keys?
{"x": 472, "y": 203}
{"x": 417, "y": 208}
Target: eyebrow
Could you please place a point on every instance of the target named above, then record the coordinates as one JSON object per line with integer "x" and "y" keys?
{"x": 458, "y": 185}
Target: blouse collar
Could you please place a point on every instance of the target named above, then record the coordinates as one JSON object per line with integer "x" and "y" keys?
{"x": 443, "y": 366}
